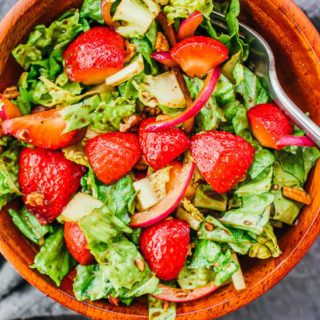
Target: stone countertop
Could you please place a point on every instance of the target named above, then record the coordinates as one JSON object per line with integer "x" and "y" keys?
{"x": 297, "y": 297}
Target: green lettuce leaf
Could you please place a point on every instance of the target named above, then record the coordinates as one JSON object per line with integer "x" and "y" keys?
{"x": 29, "y": 225}
{"x": 195, "y": 278}
{"x": 254, "y": 214}
{"x": 249, "y": 87}
{"x": 263, "y": 158}
{"x": 92, "y": 9}
{"x": 119, "y": 197}
{"x": 157, "y": 310}
{"x": 266, "y": 246}
{"x": 183, "y": 8}
{"x": 91, "y": 283}
{"x": 54, "y": 258}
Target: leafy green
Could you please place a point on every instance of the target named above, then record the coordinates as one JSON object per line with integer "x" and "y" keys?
{"x": 183, "y": 8}
{"x": 310, "y": 157}
{"x": 195, "y": 278}
{"x": 241, "y": 125}
{"x": 266, "y": 245}
{"x": 54, "y": 258}
{"x": 91, "y": 283}
{"x": 254, "y": 214}
{"x": 260, "y": 184}
{"x": 92, "y": 9}
{"x": 206, "y": 197}
{"x": 249, "y": 87}
{"x": 263, "y": 158}
{"x": 29, "y": 225}
{"x": 119, "y": 197}
{"x": 158, "y": 312}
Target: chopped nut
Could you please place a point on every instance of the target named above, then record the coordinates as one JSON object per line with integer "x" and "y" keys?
{"x": 35, "y": 199}
{"x": 215, "y": 265}
{"x": 193, "y": 245}
{"x": 162, "y": 117}
{"x": 247, "y": 223}
{"x": 169, "y": 218}
{"x": 165, "y": 305}
{"x": 1, "y": 149}
{"x": 142, "y": 164}
{"x": 275, "y": 187}
{"x": 152, "y": 111}
{"x": 199, "y": 233}
{"x": 162, "y": 43}
{"x": 272, "y": 210}
{"x": 209, "y": 226}
{"x": 182, "y": 294}
{"x": 139, "y": 264}
{"x": 189, "y": 250}
{"x": 130, "y": 51}
{"x": 131, "y": 122}
{"x": 11, "y": 93}
{"x": 297, "y": 195}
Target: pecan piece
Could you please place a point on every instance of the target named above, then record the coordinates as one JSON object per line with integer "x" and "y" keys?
{"x": 152, "y": 111}
{"x": 35, "y": 199}
{"x": 11, "y": 93}
{"x": 142, "y": 164}
{"x": 130, "y": 51}
{"x": 130, "y": 123}
{"x": 296, "y": 195}
{"x": 139, "y": 264}
{"x": 162, "y": 43}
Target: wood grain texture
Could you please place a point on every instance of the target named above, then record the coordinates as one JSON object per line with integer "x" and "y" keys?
{"x": 296, "y": 45}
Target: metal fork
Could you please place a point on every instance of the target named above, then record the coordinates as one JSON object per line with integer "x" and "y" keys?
{"x": 262, "y": 62}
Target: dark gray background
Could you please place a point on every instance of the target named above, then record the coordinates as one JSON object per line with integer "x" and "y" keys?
{"x": 296, "y": 297}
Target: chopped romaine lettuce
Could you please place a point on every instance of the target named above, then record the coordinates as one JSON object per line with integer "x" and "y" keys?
{"x": 249, "y": 87}
{"x": 254, "y": 214}
{"x": 263, "y": 159}
{"x": 207, "y": 198}
{"x": 158, "y": 312}
{"x": 195, "y": 278}
{"x": 54, "y": 259}
{"x": 266, "y": 246}
{"x": 29, "y": 225}
{"x": 92, "y": 9}
{"x": 91, "y": 283}
{"x": 183, "y": 8}
{"x": 76, "y": 153}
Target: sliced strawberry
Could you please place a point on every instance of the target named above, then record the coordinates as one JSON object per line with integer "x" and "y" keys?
{"x": 113, "y": 155}
{"x": 161, "y": 147}
{"x": 47, "y": 180}
{"x": 268, "y": 124}
{"x": 43, "y": 130}
{"x": 94, "y": 56}
{"x": 165, "y": 247}
{"x": 77, "y": 243}
{"x": 222, "y": 158}
{"x": 198, "y": 55}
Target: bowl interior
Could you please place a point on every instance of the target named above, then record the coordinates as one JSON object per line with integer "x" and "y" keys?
{"x": 296, "y": 45}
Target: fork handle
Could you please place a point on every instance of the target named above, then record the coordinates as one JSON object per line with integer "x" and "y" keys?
{"x": 311, "y": 129}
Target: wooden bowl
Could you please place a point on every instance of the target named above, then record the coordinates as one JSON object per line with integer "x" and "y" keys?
{"x": 296, "y": 45}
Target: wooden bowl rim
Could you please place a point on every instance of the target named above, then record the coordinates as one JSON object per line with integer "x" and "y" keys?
{"x": 305, "y": 26}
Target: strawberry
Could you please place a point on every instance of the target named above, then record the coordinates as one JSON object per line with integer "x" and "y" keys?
{"x": 161, "y": 147}
{"x": 43, "y": 130}
{"x": 198, "y": 55}
{"x": 222, "y": 158}
{"x": 165, "y": 247}
{"x": 48, "y": 180}
{"x": 77, "y": 243}
{"x": 94, "y": 56}
{"x": 268, "y": 124}
{"x": 112, "y": 155}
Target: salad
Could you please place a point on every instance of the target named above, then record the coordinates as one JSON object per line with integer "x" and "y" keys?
{"x": 142, "y": 151}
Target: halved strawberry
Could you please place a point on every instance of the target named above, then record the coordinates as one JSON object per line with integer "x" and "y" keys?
{"x": 112, "y": 155}
{"x": 268, "y": 124}
{"x": 222, "y": 158}
{"x": 77, "y": 243}
{"x": 43, "y": 130}
{"x": 94, "y": 56}
{"x": 198, "y": 55}
{"x": 163, "y": 146}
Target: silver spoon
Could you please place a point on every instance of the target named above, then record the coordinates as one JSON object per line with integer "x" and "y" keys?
{"x": 262, "y": 63}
